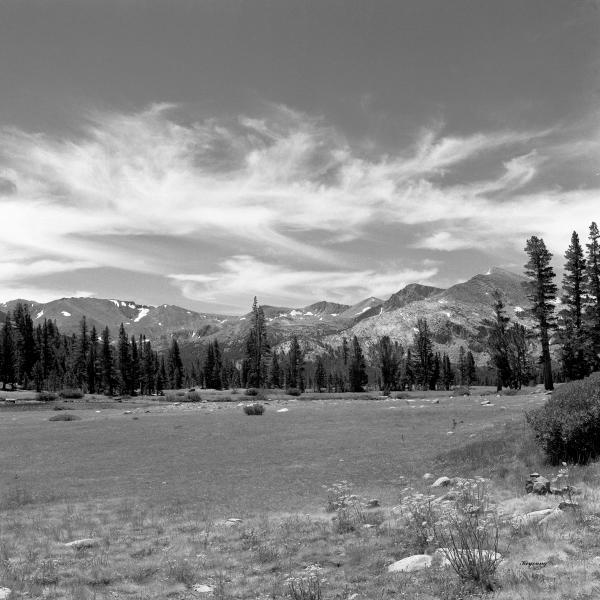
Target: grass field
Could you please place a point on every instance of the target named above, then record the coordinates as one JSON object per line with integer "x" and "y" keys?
{"x": 154, "y": 483}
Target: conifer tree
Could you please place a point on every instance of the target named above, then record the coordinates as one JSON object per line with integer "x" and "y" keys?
{"x": 592, "y": 312}
{"x": 108, "y": 374}
{"x": 135, "y": 366}
{"x": 409, "y": 374}
{"x": 357, "y": 370}
{"x": 295, "y": 373}
{"x": 275, "y": 372}
{"x": 462, "y": 366}
{"x": 542, "y": 293}
{"x": 92, "y": 377}
{"x": 447, "y": 372}
{"x": 124, "y": 362}
{"x": 257, "y": 348}
{"x": 471, "y": 370}
{"x": 319, "y": 375}
{"x": 572, "y": 333}
{"x": 388, "y": 363}
{"x": 175, "y": 366}
{"x": 498, "y": 343}
{"x": 422, "y": 354}
{"x": 7, "y": 368}
{"x": 435, "y": 371}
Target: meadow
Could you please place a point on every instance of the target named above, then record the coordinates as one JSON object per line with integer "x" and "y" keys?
{"x": 199, "y": 500}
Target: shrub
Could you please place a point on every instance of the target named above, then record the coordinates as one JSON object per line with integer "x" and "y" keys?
{"x": 462, "y": 391}
{"x": 251, "y": 392}
{"x": 254, "y": 409}
{"x": 47, "y": 396}
{"x": 71, "y": 393}
{"x": 65, "y": 417}
{"x": 293, "y": 392}
{"x": 193, "y": 397}
{"x": 567, "y": 427}
{"x": 171, "y": 397}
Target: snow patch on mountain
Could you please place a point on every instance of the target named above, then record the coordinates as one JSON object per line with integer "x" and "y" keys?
{"x": 39, "y": 314}
{"x": 65, "y": 313}
{"x": 143, "y": 312}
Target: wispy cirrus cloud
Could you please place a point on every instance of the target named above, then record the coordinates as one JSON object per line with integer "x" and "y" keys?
{"x": 287, "y": 189}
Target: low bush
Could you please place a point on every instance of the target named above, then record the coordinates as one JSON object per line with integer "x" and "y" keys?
{"x": 293, "y": 392}
{"x": 65, "y": 417}
{"x": 254, "y": 409}
{"x": 567, "y": 427}
{"x": 193, "y": 397}
{"x": 71, "y": 393}
{"x": 47, "y": 396}
{"x": 221, "y": 399}
{"x": 251, "y": 392}
{"x": 462, "y": 391}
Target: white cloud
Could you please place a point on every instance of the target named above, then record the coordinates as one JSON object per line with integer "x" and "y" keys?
{"x": 287, "y": 183}
{"x": 242, "y": 275}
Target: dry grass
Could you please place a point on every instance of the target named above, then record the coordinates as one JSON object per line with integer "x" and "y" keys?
{"x": 102, "y": 478}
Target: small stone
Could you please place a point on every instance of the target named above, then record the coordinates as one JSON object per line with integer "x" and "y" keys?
{"x": 4, "y": 593}
{"x": 83, "y": 543}
{"x": 450, "y": 433}
{"x": 202, "y": 588}
{"x": 427, "y": 476}
{"x": 417, "y": 562}
{"x": 441, "y": 482}
{"x": 127, "y": 412}
{"x": 283, "y": 410}
{"x": 373, "y": 503}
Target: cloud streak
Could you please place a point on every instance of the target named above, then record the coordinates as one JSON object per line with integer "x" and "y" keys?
{"x": 285, "y": 185}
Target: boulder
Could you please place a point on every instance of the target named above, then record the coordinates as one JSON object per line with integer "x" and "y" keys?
{"x": 555, "y": 515}
{"x": 568, "y": 505}
{"x": 4, "y": 593}
{"x": 441, "y": 482}
{"x": 372, "y": 503}
{"x": 537, "y": 484}
{"x": 83, "y": 543}
{"x": 202, "y": 588}
{"x": 533, "y": 517}
{"x": 417, "y": 562}
{"x": 427, "y": 476}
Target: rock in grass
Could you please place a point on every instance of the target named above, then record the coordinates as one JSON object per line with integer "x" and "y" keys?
{"x": 417, "y": 562}
{"x": 202, "y": 588}
{"x": 537, "y": 484}
{"x": 441, "y": 482}
{"x": 567, "y": 505}
{"x": 83, "y": 543}
{"x": 372, "y": 503}
{"x": 4, "y": 593}
{"x": 555, "y": 515}
{"x": 427, "y": 476}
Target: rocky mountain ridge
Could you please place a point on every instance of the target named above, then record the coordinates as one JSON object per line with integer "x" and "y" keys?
{"x": 456, "y": 317}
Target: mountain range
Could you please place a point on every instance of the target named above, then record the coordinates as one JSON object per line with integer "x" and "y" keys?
{"x": 455, "y": 315}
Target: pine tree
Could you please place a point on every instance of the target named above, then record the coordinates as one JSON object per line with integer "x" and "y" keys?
{"x": 135, "y": 366}
{"x": 435, "y": 372}
{"x": 92, "y": 377}
{"x": 388, "y": 364}
{"x": 408, "y": 380}
{"x": 357, "y": 370}
{"x": 108, "y": 374}
{"x": 345, "y": 351}
{"x": 320, "y": 375}
{"x": 257, "y": 348}
{"x": 592, "y": 312}
{"x": 124, "y": 362}
{"x": 542, "y": 293}
{"x": 275, "y": 372}
{"x": 295, "y": 373}
{"x": 175, "y": 366}
{"x": 498, "y": 343}
{"x": 471, "y": 370}
{"x": 422, "y": 354}
{"x": 24, "y": 343}
{"x": 7, "y": 368}
{"x": 572, "y": 333}
{"x": 462, "y": 366}
{"x": 447, "y": 372}
{"x": 81, "y": 358}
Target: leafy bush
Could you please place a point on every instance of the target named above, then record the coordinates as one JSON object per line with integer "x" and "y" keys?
{"x": 71, "y": 393}
{"x": 251, "y": 392}
{"x": 254, "y": 409}
{"x": 567, "y": 427}
{"x": 47, "y": 396}
{"x": 462, "y": 391}
{"x": 65, "y": 417}
{"x": 293, "y": 392}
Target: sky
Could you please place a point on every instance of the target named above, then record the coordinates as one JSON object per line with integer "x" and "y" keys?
{"x": 202, "y": 152}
